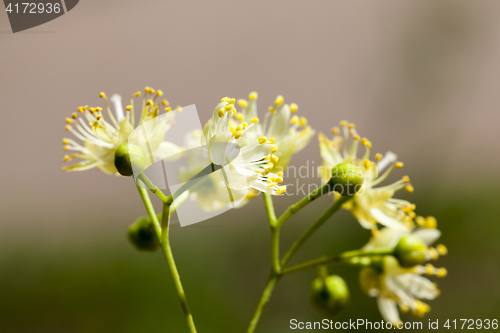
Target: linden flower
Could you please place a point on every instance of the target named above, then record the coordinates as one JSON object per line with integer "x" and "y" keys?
{"x": 289, "y": 133}
{"x": 371, "y": 204}
{"x": 395, "y": 285}
{"x": 101, "y": 138}
{"x": 211, "y": 193}
{"x": 245, "y": 165}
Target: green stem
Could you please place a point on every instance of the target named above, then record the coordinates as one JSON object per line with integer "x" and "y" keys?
{"x": 266, "y": 295}
{"x": 152, "y": 187}
{"x": 304, "y": 202}
{"x": 169, "y": 257}
{"x": 162, "y": 234}
{"x": 341, "y": 258}
{"x": 312, "y": 229}
{"x": 275, "y": 234}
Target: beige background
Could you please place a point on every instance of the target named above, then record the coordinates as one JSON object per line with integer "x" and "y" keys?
{"x": 420, "y": 78}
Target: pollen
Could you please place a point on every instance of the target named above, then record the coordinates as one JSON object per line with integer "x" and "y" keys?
{"x": 225, "y": 99}
{"x": 271, "y": 140}
{"x": 238, "y": 134}
{"x": 398, "y": 165}
{"x": 280, "y": 174}
{"x": 441, "y": 272}
{"x": 65, "y": 141}
{"x": 168, "y": 109}
{"x": 102, "y": 95}
{"x": 281, "y": 190}
{"x": 274, "y": 159}
{"x": 406, "y": 179}
{"x": 137, "y": 94}
{"x": 409, "y": 188}
{"x": 98, "y": 117}
{"x": 159, "y": 93}
{"x": 228, "y": 107}
{"x": 279, "y": 100}
{"x": 253, "y": 95}
{"x": 243, "y": 103}
{"x": 73, "y": 115}
{"x": 151, "y": 91}
{"x": 128, "y": 107}
{"x": 240, "y": 116}
{"x": 275, "y": 149}
{"x": 149, "y": 102}
{"x": 254, "y": 120}
{"x": 442, "y": 249}
{"x": 165, "y": 102}
{"x": 262, "y": 140}
{"x": 146, "y": 90}
{"x": 294, "y": 107}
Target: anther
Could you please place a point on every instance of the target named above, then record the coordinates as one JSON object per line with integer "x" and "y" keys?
{"x": 275, "y": 149}
{"x": 378, "y": 157}
{"x": 69, "y": 121}
{"x": 441, "y": 272}
{"x": 294, "y": 107}
{"x": 168, "y": 109}
{"x": 409, "y": 188}
{"x": 272, "y": 110}
{"x": 442, "y": 249}
{"x": 406, "y": 179}
{"x": 68, "y": 128}
{"x": 335, "y": 130}
{"x": 343, "y": 123}
{"x": 254, "y": 120}
{"x": 159, "y": 93}
{"x": 149, "y": 102}
{"x": 102, "y": 95}
{"x": 253, "y": 95}
{"x": 73, "y": 115}
{"x": 242, "y": 103}
{"x": 398, "y": 165}
{"x": 238, "y": 134}
{"x": 262, "y": 140}
{"x": 128, "y": 107}
{"x": 279, "y": 100}
{"x": 303, "y": 121}
{"x": 165, "y": 102}
{"x": 294, "y": 120}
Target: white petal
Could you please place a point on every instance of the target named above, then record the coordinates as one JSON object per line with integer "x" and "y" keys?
{"x": 429, "y": 236}
{"x": 279, "y": 123}
{"x": 387, "y": 160}
{"x": 387, "y": 220}
{"x": 388, "y": 309}
{"x": 117, "y": 101}
{"x": 168, "y": 151}
{"x": 419, "y": 286}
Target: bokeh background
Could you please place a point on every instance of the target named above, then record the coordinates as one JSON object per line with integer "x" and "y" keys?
{"x": 420, "y": 78}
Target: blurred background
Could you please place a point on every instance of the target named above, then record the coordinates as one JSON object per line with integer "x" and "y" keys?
{"x": 419, "y": 78}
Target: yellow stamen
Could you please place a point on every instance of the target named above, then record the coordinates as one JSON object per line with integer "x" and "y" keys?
{"x": 303, "y": 121}
{"x": 335, "y": 130}
{"x": 240, "y": 116}
{"x": 253, "y": 95}
{"x": 275, "y": 149}
{"x": 442, "y": 272}
{"x": 254, "y": 120}
{"x": 68, "y": 128}
{"x": 243, "y": 103}
{"x": 65, "y": 141}
{"x": 165, "y": 102}
{"x": 228, "y": 107}
{"x": 409, "y": 188}
{"x": 279, "y": 100}
{"x": 343, "y": 123}
{"x": 102, "y": 95}
{"x": 149, "y": 102}
{"x": 398, "y": 165}
{"x": 221, "y": 112}
{"x": 262, "y": 140}
{"x": 69, "y": 121}
{"x": 351, "y": 126}
{"x": 378, "y": 157}
{"x": 294, "y": 120}
{"x": 73, "y": 115}
{"x": 98, "y": 117}
{"x": 442, "y": 249}
{"x": 275, "y": 159}
{"x": 137, "y": 94}
{"x": 66, "y": 148}
{"x": 294, "y": 107}
{"x": 271, "y": 140}
{"x": 159, "y": 93}
{"x": 238, "y": 134}
{"x": 406, "y": 179}
{"x": 128, "y": 107}
{"x": 272, "y": 110}
{"x": 168, "y": 109}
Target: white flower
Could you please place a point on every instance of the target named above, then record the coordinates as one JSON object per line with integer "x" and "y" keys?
{"x": 244, "y": 166}
{"x": 371, "y": 204}
{"x": 210, "y": 193}
{"x": 394, "y": 285}
{"x": 101, "y": 138}
{"x": 289, "y": 133}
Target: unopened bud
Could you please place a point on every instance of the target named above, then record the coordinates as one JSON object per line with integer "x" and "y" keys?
{"x": 329, "y": 295}
{"x": 346, "y": 179}
{"x": 410, "y": 251}
{"x": 129, "y": 158}
{"x": 142, "y": 235}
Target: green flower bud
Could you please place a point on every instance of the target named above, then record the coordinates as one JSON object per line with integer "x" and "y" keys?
{"x": 410, "y": 251}
{"x": 129, "y": 158}
{"x": 142, "y": 235}
{"x": 346, "y": 179}
{"x": 330, "y": 295}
